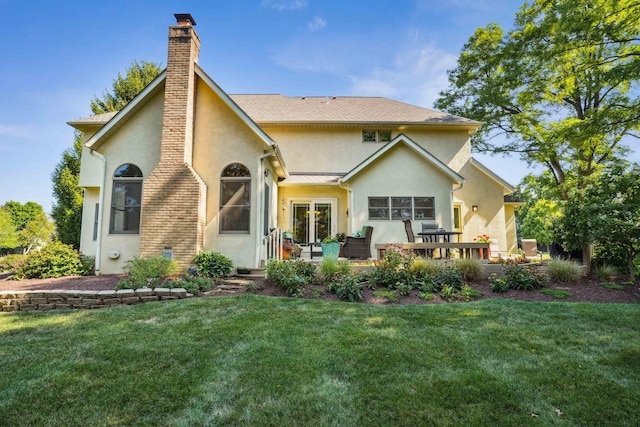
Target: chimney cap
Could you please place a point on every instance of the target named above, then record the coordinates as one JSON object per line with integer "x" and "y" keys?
{"x": 184, "y": 19}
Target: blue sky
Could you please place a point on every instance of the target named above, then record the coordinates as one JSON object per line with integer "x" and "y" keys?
{"x": 57, "y": 55}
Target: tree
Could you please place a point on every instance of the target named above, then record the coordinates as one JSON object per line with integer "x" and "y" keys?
{"x": 124, "y": 89}
{"x": 562, "y": 86}
{"x": 539, "y": 221}
{"x": 21, "y": 214}
{"x": 8, "y": 235}
{"x": 608, "y": 213}
{"x": 38, "y": 232}
{"x": 30, "y": 223}
{"x": 67, "y": 208}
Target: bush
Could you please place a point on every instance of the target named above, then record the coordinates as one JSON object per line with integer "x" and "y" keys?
{"x": 88, "y": 265}
{"x": 330, "y": 268}
{"x": 472, "y": 269}
{"x": 424, "y": 266}
{"x": 563, "y": 271}
{"x": 288, "y": 275}
{"x": 605, "y": 272}
{"x": 192, "y": 284}
{"x": 523, "y": 278}
{"x": 213, "y": 264}
{"x": 449, "y": 277}
{"x": 12, "y": 262}
{"x": 347, "y": 287}
{"x": 613, "y": 255}
{"x": 392, "y": 270}
{"x": 147, "y": 272}
{"x": 54, "y": 260}
{"x": 498, "y": 285}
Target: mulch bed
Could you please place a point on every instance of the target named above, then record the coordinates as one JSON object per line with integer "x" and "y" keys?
{"x": 589, "y": 290}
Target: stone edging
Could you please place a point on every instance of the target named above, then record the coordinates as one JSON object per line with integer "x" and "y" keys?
{"x": 64, "y": 300}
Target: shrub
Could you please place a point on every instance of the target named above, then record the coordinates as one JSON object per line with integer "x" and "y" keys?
{"x": 472, "y": 269}
{"x": 450, "y": 277}
{"x": 88, "y": 265}
{"x": 467, "y": 293}
{"x": 424, "y": 266}
{"x": 54, "y": 260}
{"x": 330, "y": 268}
{"x": 523, "y": 277}
{"x": 213, "y": 264}
{"x": 605, "y": 272}
{"x": 284, "y": 274}
{"x": 147, "y": 272}
{"x": 563, "y": 271}
{"x": 615, "y": 256}
{"x": 193, "y": 284}
{"x": 347, "y": 287}
{"x": 427, "y": 296}
{"x": 498, "y": 285}
{"x": 393, "y": 269}
{"x": 12, "y": 262}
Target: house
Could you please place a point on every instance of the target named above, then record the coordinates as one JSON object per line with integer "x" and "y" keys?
{"x": 186, "y": 167}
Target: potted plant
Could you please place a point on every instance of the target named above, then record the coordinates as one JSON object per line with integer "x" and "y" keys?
{"x": 483, "y": 238}
{"x": 330, "y": 247}
{"x": 243, "y": 270}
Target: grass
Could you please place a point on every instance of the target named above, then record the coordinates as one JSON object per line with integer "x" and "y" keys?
{"x": 611, "y": 285}
{"x": 253, "y": 360}
{"x": 556, "y": 293}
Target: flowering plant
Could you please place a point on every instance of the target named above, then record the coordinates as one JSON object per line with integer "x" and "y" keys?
{"x": 483, "y": 238}
{"x": 292, "y": 248}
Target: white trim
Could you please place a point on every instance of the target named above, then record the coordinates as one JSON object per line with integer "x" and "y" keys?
{"x": 482, "y": 168}
{"x": 333, "y": 201}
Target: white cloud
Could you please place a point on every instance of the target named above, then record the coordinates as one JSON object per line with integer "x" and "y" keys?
{"x": 416, "y": 75}
{"x": 317, "y": 23}
{"x": 285, "y": 4}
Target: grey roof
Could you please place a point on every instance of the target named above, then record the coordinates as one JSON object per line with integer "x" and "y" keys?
{"x": 99, "y": 119}
{"x": 266, "y": 109}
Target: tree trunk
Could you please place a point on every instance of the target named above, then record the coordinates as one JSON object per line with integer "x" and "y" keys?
{"x": 586, "y": 257}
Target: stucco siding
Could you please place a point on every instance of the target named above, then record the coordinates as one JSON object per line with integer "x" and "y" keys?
{"x": 342, "y": 149}
{"x": 137, "y": 141}
{"x": 400, "y": 173}
{"x": 222, "y": 138}
{"x": 487, "y": 194}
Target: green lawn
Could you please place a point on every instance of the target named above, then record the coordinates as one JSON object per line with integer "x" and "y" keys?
{"x": 257, "y": 361}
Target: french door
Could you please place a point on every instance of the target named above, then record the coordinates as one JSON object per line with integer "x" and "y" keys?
{"x": 313, "y": 220}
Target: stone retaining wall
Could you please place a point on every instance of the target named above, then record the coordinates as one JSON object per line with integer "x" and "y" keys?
{"x": 63, "y": 300}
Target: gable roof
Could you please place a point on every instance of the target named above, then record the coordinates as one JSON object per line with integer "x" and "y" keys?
{"x": 112, "y": 121}
{"x": 403, "y": 139}
{"x": 279, "y": 109}
{"x": 508, "y": 188}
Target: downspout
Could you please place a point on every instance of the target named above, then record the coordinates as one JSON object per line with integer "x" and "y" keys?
{"x": 101, "y": 209}
{"x": 350, "y": 207}
{"x": 259, "y": 217}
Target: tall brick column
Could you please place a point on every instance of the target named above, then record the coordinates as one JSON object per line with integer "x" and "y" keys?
{"x": 174, "y": 195}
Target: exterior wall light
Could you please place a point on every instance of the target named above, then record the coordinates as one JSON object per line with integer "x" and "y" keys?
{"x": 474, "y": 208}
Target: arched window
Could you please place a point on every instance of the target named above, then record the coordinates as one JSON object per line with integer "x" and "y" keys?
{"x": 126, "y": 200}
{"x": 235, "y": 199}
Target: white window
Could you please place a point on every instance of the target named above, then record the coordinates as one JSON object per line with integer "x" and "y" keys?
{"x": 399, "y": 208}
{"x": 376, "y": 136}
{"x": 126, "y": 200}
{"x": 235, "y": 199}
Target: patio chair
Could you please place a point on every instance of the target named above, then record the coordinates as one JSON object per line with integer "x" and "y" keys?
{"x": 411, "y": 238}
{"x": 358, "y": 247}
{"x": 530, "y": 249}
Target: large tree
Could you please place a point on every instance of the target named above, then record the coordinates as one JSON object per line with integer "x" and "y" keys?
{"x": 30, "y": 223}
{"x": 8, "y": 234}
{"x": 67, "y": 208}
{"x": 562, "y": 86}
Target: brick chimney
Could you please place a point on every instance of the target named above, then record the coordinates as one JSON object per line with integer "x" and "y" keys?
{"x": 174, "y": 195}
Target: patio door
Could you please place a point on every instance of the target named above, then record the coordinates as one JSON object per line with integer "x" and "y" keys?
{"x": 313, "y": 220}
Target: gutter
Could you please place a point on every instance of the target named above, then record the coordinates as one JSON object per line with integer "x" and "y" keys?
{"x": 259, "y": 215}
{"x": 101, "y": 209}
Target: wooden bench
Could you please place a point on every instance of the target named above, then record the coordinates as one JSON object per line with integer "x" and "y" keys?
{"x": 465, "y": 249}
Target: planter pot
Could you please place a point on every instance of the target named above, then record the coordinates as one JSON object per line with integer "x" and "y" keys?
{"x": 330, "y": 250}
{"x": 243, "y": 270}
